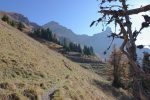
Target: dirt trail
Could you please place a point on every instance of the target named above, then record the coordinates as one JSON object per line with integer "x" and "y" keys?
{"x": 48, "y": 95}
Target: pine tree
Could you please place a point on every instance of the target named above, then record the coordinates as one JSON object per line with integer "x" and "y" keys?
{"x": 49, "y": 34}
{"x": 13, "y": 23}
{"x": 88, "y": 50}
{"x": 20, "y": 26}
{"x": 85, "y": 50}
{"x": 79, "y": 48}
{"x": 91, "y": 50}
{"x": 65, "y": 46}
{"x": 37, "y": 32}
{"x": 71, "y": 46}
{"x": 5, "y": 18}
{"x": 54, "y": 38}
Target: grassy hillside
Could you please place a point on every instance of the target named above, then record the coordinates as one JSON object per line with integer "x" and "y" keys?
{"x": 31, "y": 71}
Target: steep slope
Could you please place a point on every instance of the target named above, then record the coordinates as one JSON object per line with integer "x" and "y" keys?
{"x": 28, "y": 68}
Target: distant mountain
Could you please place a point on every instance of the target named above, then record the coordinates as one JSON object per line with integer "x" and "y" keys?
{"x": 20, "y": 18}
{"x": 100, "y": 42}
{"x": 60, "y": 30}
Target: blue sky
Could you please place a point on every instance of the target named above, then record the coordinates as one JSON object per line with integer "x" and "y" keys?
{"x": 73, "y": 14}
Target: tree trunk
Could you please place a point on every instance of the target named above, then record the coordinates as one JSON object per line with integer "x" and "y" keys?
{"x": 116, "y": 74}
{"x": 116, "y": 82}
{"x": 136, "y": 75}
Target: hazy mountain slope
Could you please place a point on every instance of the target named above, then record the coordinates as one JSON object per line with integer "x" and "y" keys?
{"x": 27, "y": 68}
{"x": 60, "y": 30}
{"x": 99, "y": 41}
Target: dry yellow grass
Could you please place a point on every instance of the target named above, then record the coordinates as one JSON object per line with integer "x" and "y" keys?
{"x": 28, "y": 69}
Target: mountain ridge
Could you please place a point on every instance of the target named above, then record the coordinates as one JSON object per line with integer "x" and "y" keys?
{"x": 100, "y": 41}
{"x": 21, "y": 18}
{"x": 84, "y": 39}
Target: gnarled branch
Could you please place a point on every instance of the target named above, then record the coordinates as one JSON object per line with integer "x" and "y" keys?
{"x": 129, "y": 12}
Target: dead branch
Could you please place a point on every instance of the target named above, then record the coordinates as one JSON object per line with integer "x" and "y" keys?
{"x": 124, "y": 13}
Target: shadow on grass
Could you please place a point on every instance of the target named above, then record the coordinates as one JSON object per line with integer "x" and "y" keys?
{"x": 110, "y": 90}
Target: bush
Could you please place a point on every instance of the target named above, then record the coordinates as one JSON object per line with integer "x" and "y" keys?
{"x": 13, "y": 23}
{"x": 5, "y": 18}
{"x": 20, "y": 26}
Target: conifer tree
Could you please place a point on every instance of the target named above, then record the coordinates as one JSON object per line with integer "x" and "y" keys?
{"x": 20, "y": 26}
{"x": 79, "y": 48}
{"x": 5, "y": 18}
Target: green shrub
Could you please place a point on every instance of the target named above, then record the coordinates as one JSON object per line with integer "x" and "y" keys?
{"x": 5, "y": 18}
{"x": 20, "y": 26}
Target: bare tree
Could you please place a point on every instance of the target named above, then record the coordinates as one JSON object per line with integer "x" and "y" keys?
{"x": 120, "y": 66}
{"x": 119, "y": 13}
{"x": 115, "y": 58}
